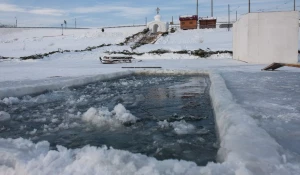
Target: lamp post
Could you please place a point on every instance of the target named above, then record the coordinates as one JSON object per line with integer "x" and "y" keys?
{"x": 62, "y": 29}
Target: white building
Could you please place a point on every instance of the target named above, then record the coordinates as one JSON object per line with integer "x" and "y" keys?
{"x": 157, "y": 25}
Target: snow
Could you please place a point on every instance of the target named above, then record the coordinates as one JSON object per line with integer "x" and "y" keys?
{"x": 257, "y": 113}
{"x": 16, "y": 42}
{"x": 193, "y": 40}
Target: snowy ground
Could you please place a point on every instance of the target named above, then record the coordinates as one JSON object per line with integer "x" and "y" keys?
{"x": 25, "y": 42}
{"x": 257, "y": 113}
{"x": 193, "y": 40}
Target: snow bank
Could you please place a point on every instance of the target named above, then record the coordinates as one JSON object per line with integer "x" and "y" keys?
{"x": 22, "y": 157}
{"x": 103, "y": 118}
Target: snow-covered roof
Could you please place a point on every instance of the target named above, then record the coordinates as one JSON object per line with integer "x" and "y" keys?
{"x": 186, "y": 16}
{"x": 207, "y": 18}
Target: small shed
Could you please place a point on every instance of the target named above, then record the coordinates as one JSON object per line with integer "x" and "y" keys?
{"x": 188, "y": 22}
{"x": 207, "y": 23}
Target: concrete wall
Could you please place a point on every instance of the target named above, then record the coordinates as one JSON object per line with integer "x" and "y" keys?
{"x": 266, "y": 37}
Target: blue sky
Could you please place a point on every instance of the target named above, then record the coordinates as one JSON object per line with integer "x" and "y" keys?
{"x": 98, "y": 13}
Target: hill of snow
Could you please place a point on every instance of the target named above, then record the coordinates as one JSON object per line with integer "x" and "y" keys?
{"x": 17, "y": 42}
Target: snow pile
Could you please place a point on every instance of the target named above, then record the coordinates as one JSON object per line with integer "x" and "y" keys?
{"x": 4, "y": 116}
{"x": 103, "y": 117}
{"x": 21, "y": 156}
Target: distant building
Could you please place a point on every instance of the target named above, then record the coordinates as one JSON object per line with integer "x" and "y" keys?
{"x": 157, "y": 26}
{"x": 207, "y": 23}
{"x": 188, "y": 22}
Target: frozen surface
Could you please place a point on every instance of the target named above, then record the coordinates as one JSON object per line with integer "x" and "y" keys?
{"x": 278, "y": 112}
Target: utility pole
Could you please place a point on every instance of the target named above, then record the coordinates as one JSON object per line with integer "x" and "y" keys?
{"x": 294, "y": 5}
{"x": 236, "y": 16}
{"x": 75, "y": 23}
{"x": 16, "y": 22}
{"x": 249, "y": 7}
{"x": 62, "y": 29}
{"x": 146, "y": 21}
{"x": 197, "y": 14}
{"x": 228, "y": 16}
{"x": 212, "y": 8}
{"x": 197, "y": 8}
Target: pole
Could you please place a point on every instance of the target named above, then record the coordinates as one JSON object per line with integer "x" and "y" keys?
{"x": 228, "y": 16}
{"x": 62, "y": 29}
{"x": 212, "y": 8}
{"x": 249, "y": 7}
{"x": 16, "y": 21}
{"x": 146, "y": 20}
{"x": 197, "y": 14}
{"x": 197, "y": 8}
{"x": 75, "y": 23}
{"x": 294, "y": 5}
{"x": 236, "y": 16}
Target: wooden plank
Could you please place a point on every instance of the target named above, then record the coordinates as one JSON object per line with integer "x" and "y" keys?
{"x": 275, "y": 66}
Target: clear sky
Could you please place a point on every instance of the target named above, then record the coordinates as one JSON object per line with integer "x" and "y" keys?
{"x": 98, "y": 13}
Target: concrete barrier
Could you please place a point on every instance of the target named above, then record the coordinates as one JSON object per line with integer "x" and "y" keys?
{"x": 266, "y": 37}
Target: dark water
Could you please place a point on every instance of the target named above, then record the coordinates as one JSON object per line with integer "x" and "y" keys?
{"x": 174, "y": 117}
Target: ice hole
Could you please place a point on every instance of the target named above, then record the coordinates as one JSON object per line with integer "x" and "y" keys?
{"x": 162, "y": 116}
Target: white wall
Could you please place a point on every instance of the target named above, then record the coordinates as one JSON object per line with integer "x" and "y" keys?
{"x": 266, "y": 37}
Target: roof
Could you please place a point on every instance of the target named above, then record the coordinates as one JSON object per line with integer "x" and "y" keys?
{"x": 206, "y": 18}
{"x": 188, "y": 17}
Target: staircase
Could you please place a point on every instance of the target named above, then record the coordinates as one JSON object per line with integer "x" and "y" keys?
{"x": 148, "y": 38}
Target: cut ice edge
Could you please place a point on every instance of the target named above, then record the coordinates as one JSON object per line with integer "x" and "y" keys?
{"x": 59, "y": 84}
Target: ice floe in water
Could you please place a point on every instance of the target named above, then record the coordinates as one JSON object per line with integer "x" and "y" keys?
{"x": 180, "y": 127}
{"x": 4, "y": 116}
{"x": 103, "y": 117}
